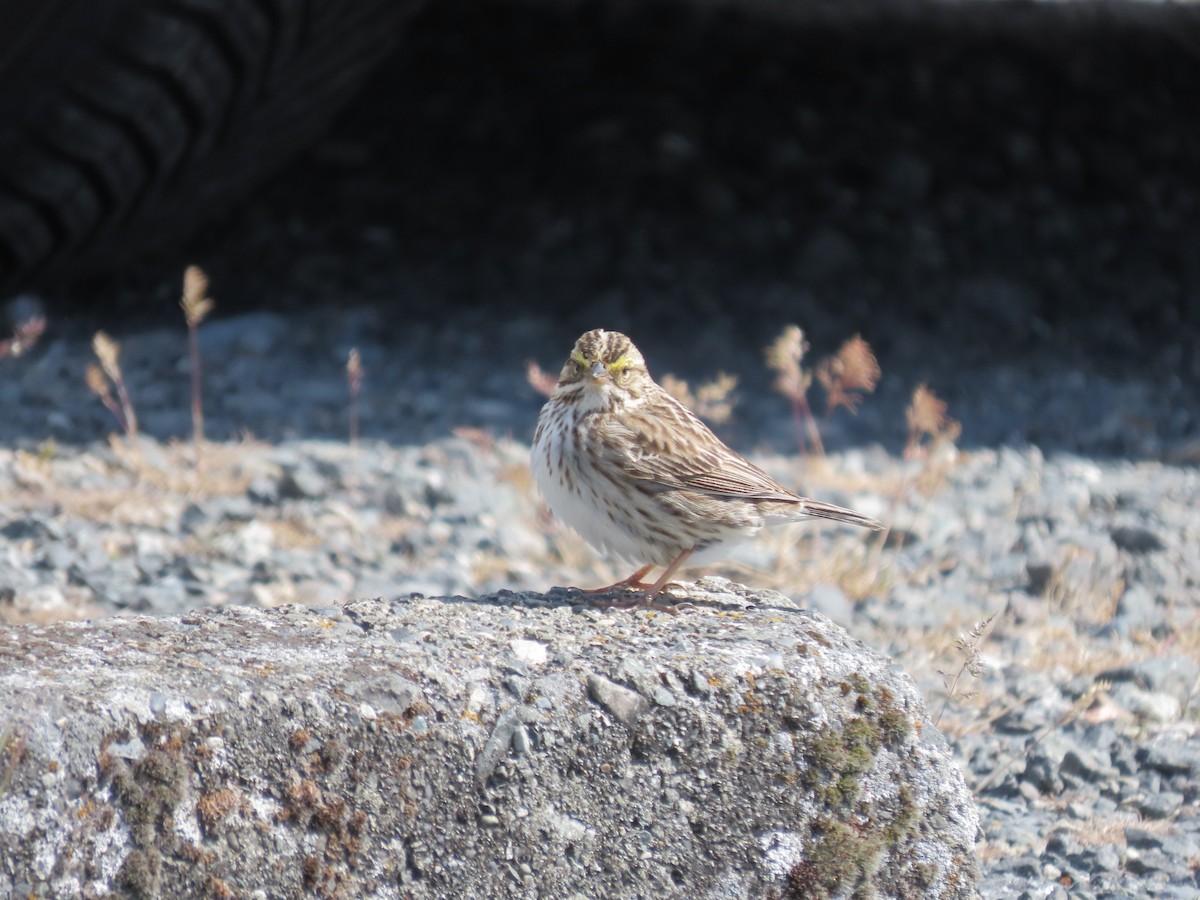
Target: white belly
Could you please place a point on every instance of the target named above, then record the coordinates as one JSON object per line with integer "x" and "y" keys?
{"x": 611, "y": 525}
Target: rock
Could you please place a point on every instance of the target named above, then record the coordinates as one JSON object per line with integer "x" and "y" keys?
{"x": 434, "y": 745}
{"x": 1138, "y": 609}
{"x": 302, "y": 482}
{"x": 1171, "y": 756}
{"x": 1162, "y": 805}
{"x": 1083, "y": 763}
{"x": 1149, "y": 706}
{"x": 1178, "y": 676}
{"x": 1107, "y": 858}
{"x": 830, "y": 601}
{"x": 1136, "y": 539}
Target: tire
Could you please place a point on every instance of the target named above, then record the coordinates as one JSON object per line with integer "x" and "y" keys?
{"x": 124, "y": 123}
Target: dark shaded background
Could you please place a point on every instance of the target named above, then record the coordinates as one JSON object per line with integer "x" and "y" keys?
{"x": 967, "y": 181}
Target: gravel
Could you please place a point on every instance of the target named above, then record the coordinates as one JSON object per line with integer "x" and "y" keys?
{"x": 1078, "y": 734}
{"x": 1000, "y": 216}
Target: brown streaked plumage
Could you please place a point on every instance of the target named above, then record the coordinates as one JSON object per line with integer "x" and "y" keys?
{"x": 639, "y": 476}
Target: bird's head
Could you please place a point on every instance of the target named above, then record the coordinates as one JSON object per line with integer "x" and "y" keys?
{"x": 604, "y": 362}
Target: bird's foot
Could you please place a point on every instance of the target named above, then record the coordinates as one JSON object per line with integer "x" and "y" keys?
{"x": 620, "y": 587}
{"x": 632, "y": 583}
{"x": 651, "y": 599}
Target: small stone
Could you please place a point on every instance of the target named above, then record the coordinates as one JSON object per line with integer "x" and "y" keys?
{"x": 1063, "y": 844}
{"x": 1087, "y": 765}
{"x": 263, "y": 490}
{"x": 1107, "y": 858}
{"x": 1039, "y": 573}
{"x": 1142, "y": 838}
{"x": 1171, "y": 757}
{"x": 1162, "y": 805}
{"x": 131, "y": 749}
{"x": 830, "y": 600}
{"x": 1146, "y": 705}
{"x": 302, "y": 483}
{"x": 1155, "y": 862}
{"x": 1175, "y": 675}
{"x": 531, "y": 652}
{"x": 1136, "y": 539}
{"x": 1138, "y": 609}
{"x": 521, "y": 742}
{"x": 626, "y": 706}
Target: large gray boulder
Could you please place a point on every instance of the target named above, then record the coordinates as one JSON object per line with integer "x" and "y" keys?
{"x": 515, "y": 745}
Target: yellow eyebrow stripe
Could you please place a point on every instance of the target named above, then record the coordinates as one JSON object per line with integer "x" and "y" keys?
{"x": 578, "y": 357}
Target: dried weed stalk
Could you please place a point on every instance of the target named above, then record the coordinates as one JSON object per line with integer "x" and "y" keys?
{"x": 852, "y": 369}
{"x": 713, "y": 400}
{"x": 196, "y": 305}
{"x": 541, "y": 381}
{"x": 481, "y": 438}
{"x": 25, "y": 335}
{"x": 969, "y": 645}
{"x": 354, "y": 377}
{"x": 108, "y": 352}
{"x": 785, "y": 356}
{"x": 928, "y": 424}
{"x": 931, "y": 438}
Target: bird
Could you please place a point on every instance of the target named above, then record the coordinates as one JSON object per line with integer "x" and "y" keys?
{"x": 640, "y": 477}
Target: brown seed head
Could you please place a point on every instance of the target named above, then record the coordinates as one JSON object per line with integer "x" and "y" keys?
{"x": 785, "y": 355}
{"x": 195, "y": 302}
{"x": 539, "y": 379}
{"x": 107, "y": 351}
{"x": 97, "y": 383}
{"x": 354, "y": 370}
{"x": 25, "y": 335}
{"x": 926, "y": 413}
{"x": 853, "y": 368}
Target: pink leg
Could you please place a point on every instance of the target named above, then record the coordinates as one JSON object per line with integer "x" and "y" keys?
{"x": 649, "y": 600}
{"x": 633, "y": 581}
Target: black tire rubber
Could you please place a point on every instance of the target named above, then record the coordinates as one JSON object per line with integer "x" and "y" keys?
{"x": 124, "y": 123}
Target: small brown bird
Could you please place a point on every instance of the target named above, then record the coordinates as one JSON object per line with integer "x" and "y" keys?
{"x": 640, "y": 477}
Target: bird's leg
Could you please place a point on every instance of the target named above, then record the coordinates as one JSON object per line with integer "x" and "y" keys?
{"x": 634, "y": 581}
{"x": 651, "y": 597}
{"x": 649, "y": 600}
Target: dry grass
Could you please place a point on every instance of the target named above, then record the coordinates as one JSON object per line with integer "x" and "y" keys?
{"x": 196, "y": 305}
{"x": 354, "y": 379}
{"x": 108, "y": 372}
{"x": 852, "y": 369}
{"x": 785, "y": 356}
{"x": 540, "y": 380}
{"x": 712, "y": 400}
{"x": 24, "y": 336}
{"x": 1079, "y": 586}
{"x": 969, "y": 646}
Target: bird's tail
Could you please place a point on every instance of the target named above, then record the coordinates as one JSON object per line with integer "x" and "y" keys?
{"x": 818, "y": 510}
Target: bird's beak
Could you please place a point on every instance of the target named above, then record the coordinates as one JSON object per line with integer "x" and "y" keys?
{"x": 598, "y": 370}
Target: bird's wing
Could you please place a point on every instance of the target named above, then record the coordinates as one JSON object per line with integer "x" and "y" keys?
{"x": 673, "y": 450}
